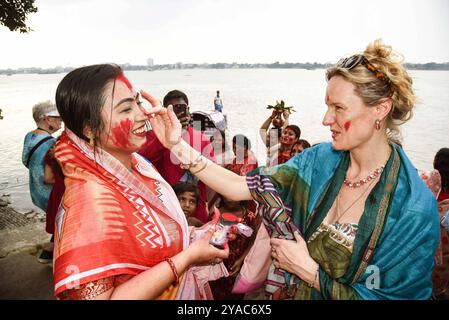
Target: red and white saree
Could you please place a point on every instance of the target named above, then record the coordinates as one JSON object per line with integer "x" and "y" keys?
{"x": 114, "y": 224}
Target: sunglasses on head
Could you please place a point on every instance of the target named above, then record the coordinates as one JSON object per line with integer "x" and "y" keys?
{"x": 355, "y": 60}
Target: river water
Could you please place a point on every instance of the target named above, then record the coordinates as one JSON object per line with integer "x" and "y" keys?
{"x": 245, "y": 94}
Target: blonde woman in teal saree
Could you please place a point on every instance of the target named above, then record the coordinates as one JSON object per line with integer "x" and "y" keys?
{"x": 349, "y": 219}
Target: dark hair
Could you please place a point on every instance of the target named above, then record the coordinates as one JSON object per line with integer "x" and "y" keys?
{"x": 295, "y": 129}
{"x": 241, "y": 140}
{"x": 174, "y": 94}
{"x": 223, "y": 137}
{"x": 80, "y": 97}
{"x": 441, "y": 163}
{"x": 305, "y": 144}
{"x": 182, "y": 187}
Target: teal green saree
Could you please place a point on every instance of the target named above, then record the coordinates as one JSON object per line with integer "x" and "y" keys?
{"x": 391, "y": 256}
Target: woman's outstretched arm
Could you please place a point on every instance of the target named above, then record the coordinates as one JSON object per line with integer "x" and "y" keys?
{"x": 167, "y": 128}
{"x": 221, "y": 180}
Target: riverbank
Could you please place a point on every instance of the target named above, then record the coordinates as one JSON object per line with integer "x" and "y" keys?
{"x": 22, "y": 236}
{"x": 20, "y": 232}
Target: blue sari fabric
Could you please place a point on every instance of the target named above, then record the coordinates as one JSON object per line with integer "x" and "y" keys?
{"x": 394, "y": 248}
{"x": 40, "y": 191}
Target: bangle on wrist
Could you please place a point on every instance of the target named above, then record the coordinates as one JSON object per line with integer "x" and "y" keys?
{"x": 173, "y": 269}
{"x": 204, "y": 167}
{"x": 188, "y": 166}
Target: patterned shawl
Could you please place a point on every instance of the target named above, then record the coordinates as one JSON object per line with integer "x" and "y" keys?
{"x": 398, "y": 232}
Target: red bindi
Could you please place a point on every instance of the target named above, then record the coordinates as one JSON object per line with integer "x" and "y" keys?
{"x": 347, "y": 125}
{"x": 125, "y": 80}
{"x": 120, "y": 133}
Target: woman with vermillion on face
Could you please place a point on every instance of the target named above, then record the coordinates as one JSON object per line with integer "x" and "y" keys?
{"x": 349, "y": 219}
{"x": 120, "y": 232}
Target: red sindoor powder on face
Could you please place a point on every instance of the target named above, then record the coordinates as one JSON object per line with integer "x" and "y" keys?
{"x": 125, "y": 80}
{"x": 347, "y": 125}
{"x": 120, "y": 133}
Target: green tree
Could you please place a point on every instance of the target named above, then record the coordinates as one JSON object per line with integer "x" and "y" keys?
{"x": 13, "y": 14}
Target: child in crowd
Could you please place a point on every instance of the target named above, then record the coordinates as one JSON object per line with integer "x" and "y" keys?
{"x": 299, "y": 147}
{"x": 188, "y": 196}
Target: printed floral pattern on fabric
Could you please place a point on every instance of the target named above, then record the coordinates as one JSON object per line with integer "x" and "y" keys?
{"x": 89, "y": 290}
{"x": 341, "y": 233}
{"x": 331, "y": 247}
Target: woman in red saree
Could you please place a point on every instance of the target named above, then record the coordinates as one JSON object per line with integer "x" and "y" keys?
{"x": 120, "y": 232}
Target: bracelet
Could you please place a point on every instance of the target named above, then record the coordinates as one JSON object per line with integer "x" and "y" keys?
{"x": 312, "y": 285}
{"x": 188, "y": 166}
{"x": 173, "y": 269}
{"x": 204, "y": 167}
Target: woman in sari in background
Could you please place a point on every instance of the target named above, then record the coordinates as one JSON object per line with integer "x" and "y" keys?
{"x": 120, "y": 232}
{"x": 280, "y": 153}
{"x": 438, "y": 182}
{"x": 349, "y": 219}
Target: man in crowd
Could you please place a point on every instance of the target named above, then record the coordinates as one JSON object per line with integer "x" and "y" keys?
{"x": 166, "y": 163}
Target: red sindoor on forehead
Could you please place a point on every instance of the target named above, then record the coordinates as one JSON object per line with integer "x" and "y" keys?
{"x": 125, "y": 80}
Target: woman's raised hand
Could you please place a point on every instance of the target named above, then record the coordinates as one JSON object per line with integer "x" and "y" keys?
{"x": 164, "y": 122}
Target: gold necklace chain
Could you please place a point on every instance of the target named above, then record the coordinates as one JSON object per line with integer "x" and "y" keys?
{"x": 340, "y": 215}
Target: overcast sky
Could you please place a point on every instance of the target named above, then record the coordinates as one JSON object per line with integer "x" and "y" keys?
{"x": 81, "y": 32}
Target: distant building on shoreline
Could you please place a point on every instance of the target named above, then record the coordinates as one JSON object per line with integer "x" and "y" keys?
{"x": 150, "y": 64}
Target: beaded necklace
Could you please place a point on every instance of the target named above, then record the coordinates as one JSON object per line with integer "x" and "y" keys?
{"x": 361, "y": 182}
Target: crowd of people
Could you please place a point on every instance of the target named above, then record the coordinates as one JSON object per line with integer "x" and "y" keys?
{"x": 133, "y": 195}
